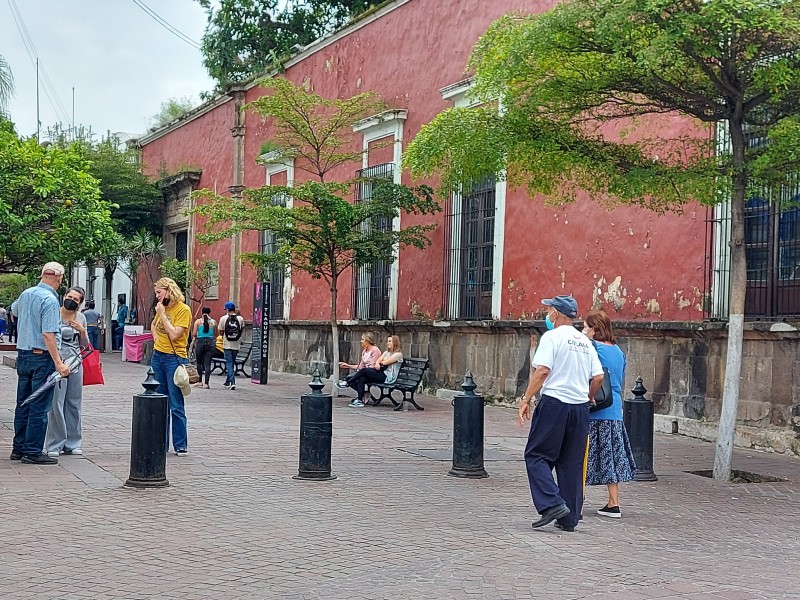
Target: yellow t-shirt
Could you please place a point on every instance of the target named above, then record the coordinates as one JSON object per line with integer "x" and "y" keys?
{"x": 180, "y": 315}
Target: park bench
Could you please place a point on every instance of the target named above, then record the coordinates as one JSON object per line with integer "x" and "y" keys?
{"x": 408, "y": 379}
{"x": 239, "y": 363}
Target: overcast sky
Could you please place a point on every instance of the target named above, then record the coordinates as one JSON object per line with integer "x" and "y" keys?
{"x": 121, "y": 62}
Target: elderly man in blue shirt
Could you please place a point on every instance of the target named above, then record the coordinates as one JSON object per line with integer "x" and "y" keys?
{"x": 39, "y": 331}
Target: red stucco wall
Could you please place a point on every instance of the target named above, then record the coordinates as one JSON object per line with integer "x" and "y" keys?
{"x": 638, "y": 264}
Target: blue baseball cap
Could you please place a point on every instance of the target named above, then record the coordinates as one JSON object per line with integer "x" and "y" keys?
{"x": 230, "y": 306}
{"x": 566, "y": 305}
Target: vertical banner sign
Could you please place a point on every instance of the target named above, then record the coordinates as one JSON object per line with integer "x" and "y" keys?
{"x": 260, "y": 352}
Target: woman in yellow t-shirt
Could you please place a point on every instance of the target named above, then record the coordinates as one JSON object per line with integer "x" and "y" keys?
{"x": 170, "y": 339}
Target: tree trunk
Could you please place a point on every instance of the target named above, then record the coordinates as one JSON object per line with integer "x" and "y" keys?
{"x": 108, "y": 279}
{"x": 334, "y": 340}
{"x": 733, "y": 365}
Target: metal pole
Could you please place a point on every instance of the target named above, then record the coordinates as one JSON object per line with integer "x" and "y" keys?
{"x": 316, "y": 433}
{"x": 468, "y": 432}
{"x": 638, "y": 416}
{"x": 149, "y": 437}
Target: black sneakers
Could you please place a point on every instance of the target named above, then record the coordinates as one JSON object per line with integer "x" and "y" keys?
{"x": 38, "y": 459}
{"x": 15, "y": 455}
{"x": 610, "y": 511}
{"x": 565, "y": 528}
{"x": 551, "y": 514}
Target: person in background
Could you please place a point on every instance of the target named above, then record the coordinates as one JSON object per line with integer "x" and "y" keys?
{"x": 370, "y": 354}
{"x": 610, "y": 456}
{"x": 231, "y": 326}
{"x": 3, "y": 320}
{"x": 64, "y": 421}
{"x": 384, "y": 370}
{"x": 203, "y": 334}
{"x": 122, "y": 316}
{"x": 93, "y": 322}
{"x": 567, "y": 370}
{"x": 12, "y": 325}
{"x": 219, "y": 348}
{"x": 170, "y": 329}
{"x": 39, "y": 329}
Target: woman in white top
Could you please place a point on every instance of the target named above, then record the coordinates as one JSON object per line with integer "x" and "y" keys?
{"x": 384, "y": 370}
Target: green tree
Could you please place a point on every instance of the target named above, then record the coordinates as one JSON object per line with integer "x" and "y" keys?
{"x": 195, "y": 280}
{"x": 248, "y": 37}
{"x": 171, "y": 110}
{"x": 11, "y": 286}
{"x": 316, "y": 229}
{"x": 6, "y": 85}
{"x": 732, "y": 65}
{"x": 51, "y": 205}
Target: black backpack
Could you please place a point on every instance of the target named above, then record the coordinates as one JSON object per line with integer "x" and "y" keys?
{"x": 233, "y": 328}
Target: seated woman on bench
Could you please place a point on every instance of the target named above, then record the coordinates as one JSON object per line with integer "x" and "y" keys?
{"x": 383, "y": 370}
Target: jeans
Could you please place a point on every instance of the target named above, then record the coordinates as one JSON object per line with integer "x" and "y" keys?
{"x": 118, "y": 337}
{"x": 30, "y": 421}
{"x": 164, "y": 365}
{"x": 362, "y": 379}
{"x": 230, "y": 366}
{"x": 94, "y": 336}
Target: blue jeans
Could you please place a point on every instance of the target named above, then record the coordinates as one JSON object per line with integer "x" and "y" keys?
{"x": 230, "y": 367}
{"x": 118, "y": 335}
{"x": 164, "y": 366}
{"x": 30, "y": 421}
{"x": 94, "y": 336}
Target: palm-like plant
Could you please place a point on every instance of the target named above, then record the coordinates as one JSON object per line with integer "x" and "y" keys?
{"x": 6, "y": 84}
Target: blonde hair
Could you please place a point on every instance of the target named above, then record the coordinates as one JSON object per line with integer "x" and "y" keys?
{"x": 397, "y": 345}
{"x": 175, "y": 293}
{"x": 367, "y": 337}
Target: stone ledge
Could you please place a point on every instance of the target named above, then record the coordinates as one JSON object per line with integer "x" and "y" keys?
{"x": 770, "y": 440}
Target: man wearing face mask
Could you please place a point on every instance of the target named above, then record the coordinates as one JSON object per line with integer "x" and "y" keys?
{"x": 39, "y": 336}
{"x": 567, "y": 370}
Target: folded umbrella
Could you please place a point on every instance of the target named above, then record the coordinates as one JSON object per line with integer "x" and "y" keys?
{"x": 73, "y": 362}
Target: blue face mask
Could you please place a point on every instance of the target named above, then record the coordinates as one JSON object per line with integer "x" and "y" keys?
{"x": 548, "y": 323}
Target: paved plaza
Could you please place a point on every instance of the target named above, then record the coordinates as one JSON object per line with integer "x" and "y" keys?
{"x": 234, "y": 524}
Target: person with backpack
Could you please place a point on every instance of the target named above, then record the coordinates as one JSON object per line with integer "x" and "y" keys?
{"x": 231, "y": 326}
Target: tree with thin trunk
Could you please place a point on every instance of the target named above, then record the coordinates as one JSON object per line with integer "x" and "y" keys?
{"x": 315, "y": 228}
{"x": 568, "y": 76}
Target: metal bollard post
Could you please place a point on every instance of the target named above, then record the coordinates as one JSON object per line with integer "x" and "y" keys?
{"x": 468, "y": 432}
{"x": 316, "y": 432}
{"x": 149, "y": 437}
{"x": 638, "y": 416}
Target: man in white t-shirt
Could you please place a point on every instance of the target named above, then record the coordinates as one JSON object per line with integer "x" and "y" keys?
{"x": 567, "y": 370}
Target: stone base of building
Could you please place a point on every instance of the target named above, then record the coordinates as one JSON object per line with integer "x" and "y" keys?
{"x": 682, "y": 365}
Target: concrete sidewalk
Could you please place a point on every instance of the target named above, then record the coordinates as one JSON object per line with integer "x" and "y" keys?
{"x": 234, "y": 524}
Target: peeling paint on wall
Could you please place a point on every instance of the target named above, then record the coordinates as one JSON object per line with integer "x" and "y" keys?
{"x": 653, "y": 307}
{"x": 615, "y": 294}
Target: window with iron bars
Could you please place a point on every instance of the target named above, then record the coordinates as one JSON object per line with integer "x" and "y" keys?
{"x": 276, "y": 276}
{"x": 372, "y": 282}
{"x": 469, "y": 257}
{"x": 772, "y": 247}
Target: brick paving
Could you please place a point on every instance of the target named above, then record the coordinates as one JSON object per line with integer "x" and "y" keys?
{"x": 234, "y": 524}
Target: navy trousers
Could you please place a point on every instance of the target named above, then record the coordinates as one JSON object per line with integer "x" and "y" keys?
{"x": 557, "y": 440}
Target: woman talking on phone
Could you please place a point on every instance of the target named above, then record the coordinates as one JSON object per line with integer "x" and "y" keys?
{"x": 170, "y": 339}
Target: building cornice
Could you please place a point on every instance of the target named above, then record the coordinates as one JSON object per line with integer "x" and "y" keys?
{"x": 185, "y": 118}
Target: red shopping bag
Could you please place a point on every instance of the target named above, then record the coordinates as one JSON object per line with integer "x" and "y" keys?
{"x": 92, "y": 369}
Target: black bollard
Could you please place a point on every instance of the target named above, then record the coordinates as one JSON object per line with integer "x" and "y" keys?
{"x": 316, "y": 432}
{"x": 149, "y": 437}
{"x": 638, "y": 416}
{"x": 468, "y": 433}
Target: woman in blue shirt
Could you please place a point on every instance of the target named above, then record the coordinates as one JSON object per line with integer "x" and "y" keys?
{"x": 610, "y": 457}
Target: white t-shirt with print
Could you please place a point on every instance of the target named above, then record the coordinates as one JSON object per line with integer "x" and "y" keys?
{"x": 572, "y": 361}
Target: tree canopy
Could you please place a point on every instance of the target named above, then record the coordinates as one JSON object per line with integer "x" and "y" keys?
{"x": 244, "y": 38}
{"x": 582, "y": 89}
{"x": 51, "y": 205}
{"x": 171, "y": 110}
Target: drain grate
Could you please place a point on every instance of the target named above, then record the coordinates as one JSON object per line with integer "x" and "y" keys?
{"x": 743, "y": 476}
{"x": 489, "y": 455}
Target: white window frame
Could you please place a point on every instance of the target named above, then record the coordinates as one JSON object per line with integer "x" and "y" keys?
{"x": 459, "y": 94}
{"x": 286, "y": 165}
{"x": 382, "y": 125}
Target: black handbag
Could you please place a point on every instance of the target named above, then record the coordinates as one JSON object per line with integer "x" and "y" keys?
{"x": 604, "y": 396}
